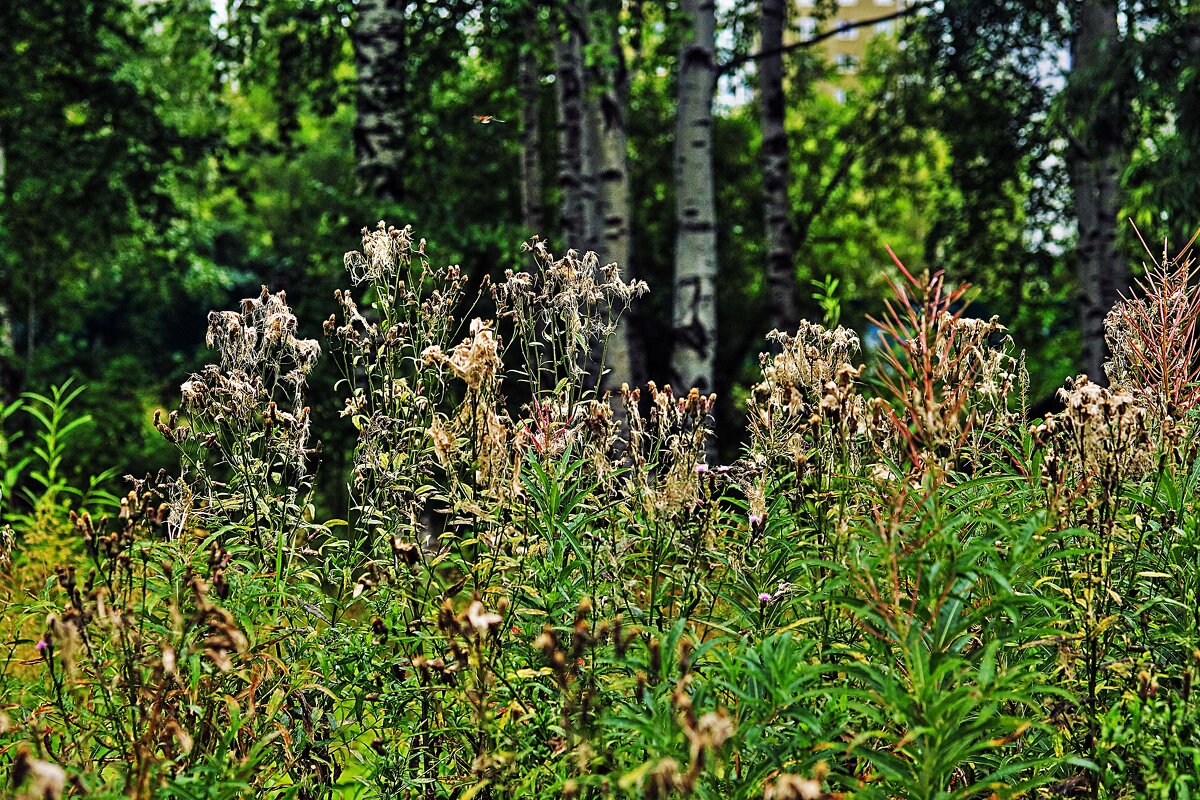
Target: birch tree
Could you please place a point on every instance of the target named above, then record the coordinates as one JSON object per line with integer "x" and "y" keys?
{"x": 613, "y": 243}
{"x": 694, "y": 317}
{"x": 400, "y": 50}
{"x": 593, "y": 167}
{"x": 379, "y": 128}
{"x": 572, "y": 136}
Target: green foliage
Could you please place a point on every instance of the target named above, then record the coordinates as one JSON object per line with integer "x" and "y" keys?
{"x": 40, "y": 481}
{"x": 12, "y": 461}
{"x": 826, "y": 296}
{"x": 56, "y": 425}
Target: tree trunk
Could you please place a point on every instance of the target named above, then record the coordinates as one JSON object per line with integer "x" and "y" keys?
{"x": 782, "y": 291}
{"x": 593, "y": 226}
{"x": 568, "y": 60}
{"x": 531, "y": 127}
{"x": 695, "y": 311}
{"x": 1097, "y": 159}
{"x": 378, "y": 39}
{"x": 613, "y": 204}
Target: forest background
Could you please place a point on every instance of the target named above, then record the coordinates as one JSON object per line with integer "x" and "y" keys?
{"x": 161, "y": 159}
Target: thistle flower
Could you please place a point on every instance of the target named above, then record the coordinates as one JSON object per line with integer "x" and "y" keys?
{"x": 949, "y": 374}
{"x": 482, "y": 621}
{"x": 810, "y": 377}
{"x": 715, "y": 728}
{"x": 570, "y": 303}
{"x": 787, "y": 786}
{"x": 1102, "y": 432}
{"x": 46, "y": 780}
{"x": 476, "y": 360}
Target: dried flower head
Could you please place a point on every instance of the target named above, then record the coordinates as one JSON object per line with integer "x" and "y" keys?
{"x": 37, "y": 779}
{"x": 950, "y": 376}
{"x": 7, "y": 542}
{"x": 568, "y": 307}
{"x": 810, "y": 378}
{"x": 476, "y": 360}
{"x": 481, "y": 622}
{"x": 714, "y": 729}
{"x": 1154, "y": 347}
{"x": 386, "y": 252}
{"x": 1101, "y": 437}
{"x": 788, "y": 786}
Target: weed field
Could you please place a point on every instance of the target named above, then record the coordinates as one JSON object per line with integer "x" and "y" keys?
{"x": 543, "y": 586}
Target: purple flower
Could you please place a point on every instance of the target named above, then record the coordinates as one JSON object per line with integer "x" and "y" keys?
{"x": 764, "y": 597}
{"x": 756, "y": 519}
{"x": 41, "y": 645}
{"x": 701, "y": 469}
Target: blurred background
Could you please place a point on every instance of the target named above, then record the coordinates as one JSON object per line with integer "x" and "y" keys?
{"x": 747, "y": 159}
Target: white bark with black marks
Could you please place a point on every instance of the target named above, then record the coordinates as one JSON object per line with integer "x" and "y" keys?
{"x": 572, "y": 140}
{"x": 694, "y": 317}
{"x": 613, "y": 201}
{"x": 593, "y": 225}
{"x": 378, "y": 39}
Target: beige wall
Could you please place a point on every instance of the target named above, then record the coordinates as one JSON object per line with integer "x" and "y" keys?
{"x": 847, "y": 50}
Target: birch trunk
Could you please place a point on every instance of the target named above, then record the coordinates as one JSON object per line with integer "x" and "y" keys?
{"x": 378, "y": 39}
{"x": 529, "y": 80}
{"x": 1097, "y": 160}
{"x": 568, "y": 60}
{"x": 694, "y": 316}
{"x": 782, "y": 291}
{"x": 613, "y": 206}
{"x": 593, "y": 226}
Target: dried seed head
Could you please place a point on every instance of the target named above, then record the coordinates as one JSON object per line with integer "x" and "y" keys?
{"x": 663, "y": 780}
{"x": 481, "y": 621}
{"x": 787, "y": 786}
{"x": 42, "y": 780}
{"x": 714, "y": 729}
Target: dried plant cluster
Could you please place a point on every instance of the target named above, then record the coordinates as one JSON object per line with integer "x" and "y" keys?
{"x": 541, "y": 587}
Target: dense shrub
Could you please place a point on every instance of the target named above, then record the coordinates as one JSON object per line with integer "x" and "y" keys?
{"x": 902, "y": 589}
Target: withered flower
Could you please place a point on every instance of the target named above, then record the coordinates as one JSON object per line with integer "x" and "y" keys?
{"x": 482, "y": 622}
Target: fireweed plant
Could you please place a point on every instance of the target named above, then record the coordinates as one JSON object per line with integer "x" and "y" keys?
{"x": 544, "y": 588}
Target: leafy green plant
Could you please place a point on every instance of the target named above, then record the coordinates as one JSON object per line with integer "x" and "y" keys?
{"x": 39, "y": 484}
{"x": 827, "y": 297}
{"x": 12, "y": 462}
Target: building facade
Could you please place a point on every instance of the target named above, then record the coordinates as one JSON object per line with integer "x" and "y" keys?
{"x": 847, "y": 48}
